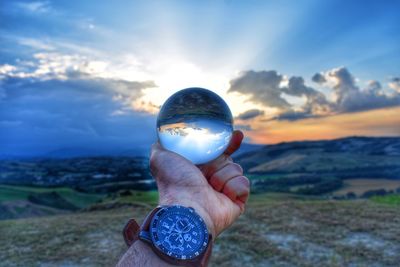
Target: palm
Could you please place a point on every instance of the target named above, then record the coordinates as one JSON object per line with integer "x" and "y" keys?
{"x": 179, "y": 181}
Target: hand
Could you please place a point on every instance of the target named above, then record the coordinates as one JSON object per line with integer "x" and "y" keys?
{"x": 218, "y": 191}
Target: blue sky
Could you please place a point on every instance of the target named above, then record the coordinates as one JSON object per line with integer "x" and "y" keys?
{"x": 115, "y": 62}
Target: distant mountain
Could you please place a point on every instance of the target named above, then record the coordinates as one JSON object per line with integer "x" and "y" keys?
{"x": 305, "y": 167}
{"x": 245, "y": 148}
{"x": 80, "y": 152}
{"x": 345, "y": 157}
{"x": 98, "y": 174}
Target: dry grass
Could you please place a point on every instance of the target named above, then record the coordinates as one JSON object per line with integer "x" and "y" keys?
{"x": 272, "y": 232}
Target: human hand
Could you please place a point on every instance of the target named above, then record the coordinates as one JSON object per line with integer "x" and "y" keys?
{"x": 218, "y": 191}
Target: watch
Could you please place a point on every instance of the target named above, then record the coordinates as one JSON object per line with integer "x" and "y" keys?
{"x": 177, "y": 234}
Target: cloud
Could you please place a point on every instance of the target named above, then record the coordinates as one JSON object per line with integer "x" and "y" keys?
{"x": 350, "y": 98}
{"x": 292, "y": 116}
{"x": 344, "y": 83}
{"x": 316, "y": 102}
{"x": 7, "y": 69}
{"x": 262, "y": 87}
{"x": 54, "y": 66}
{"x": 243, "y": 127}
{"x": 60, "y": 101}
{"x": 250, "y": 114}
{"x": 266, "y": 87}
{"x": 35, "y": 7}
{"x": 318, "y": 78}
{"x": 373, "y": 86}
{"x": 395, "y": 84}
{"x": 269, "y": 89}
{"x": 35, "y": 43}
{"x": 38, "y": 116}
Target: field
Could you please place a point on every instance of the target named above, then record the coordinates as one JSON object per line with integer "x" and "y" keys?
{"x": 275, "y": 230}
{"x": 393, "y": 199}
{"x": 308, "y": 207}
{"x": 360, "y": 186}
{"x": 24, "y": 201}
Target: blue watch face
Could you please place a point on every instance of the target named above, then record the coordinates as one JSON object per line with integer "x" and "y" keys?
{"x": 179, "y": 232}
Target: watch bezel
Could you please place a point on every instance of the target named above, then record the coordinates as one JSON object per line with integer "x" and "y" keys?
{"x": 158, "y": 245}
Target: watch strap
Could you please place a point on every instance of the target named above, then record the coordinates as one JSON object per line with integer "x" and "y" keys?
{"x": 131, "y": 232}
{"x": 132, "y": 228}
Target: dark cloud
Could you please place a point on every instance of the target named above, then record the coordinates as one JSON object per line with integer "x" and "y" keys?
{"x": 244, "y": 127}
{"x": 345, "y": 83}
{"x": 318, "y": 78}
{"x": 250, "y": 114}
{"x": 293, "y": 116}
{"x": 262, "y": 87}
{"x": 38, "y": 116}
{"x": 350, "y": 98}
{"x": 395, "y": 84}
{"x": 296, "y": 87}
{"x": 265, "y": 87}
{"x": 316, "y": 102}
{"x": 374, "y": 86}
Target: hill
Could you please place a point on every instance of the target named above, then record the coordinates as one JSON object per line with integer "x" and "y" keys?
{"x": 275, "y": 230}
{"x": 325, "y": 156}
{"x": 86, "y": 174}
{"x": 316, "y": 167}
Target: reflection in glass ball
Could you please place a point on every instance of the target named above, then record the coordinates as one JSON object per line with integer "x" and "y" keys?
{"x": 195, "y": 123}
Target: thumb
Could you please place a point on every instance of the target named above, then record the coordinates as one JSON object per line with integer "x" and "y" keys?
{"x": 155, "y": 148}
{"x": 234, "y": 144}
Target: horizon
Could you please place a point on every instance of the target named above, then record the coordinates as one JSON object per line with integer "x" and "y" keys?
{"x": 93, "y": 75}
{"x": 143, "y": 152}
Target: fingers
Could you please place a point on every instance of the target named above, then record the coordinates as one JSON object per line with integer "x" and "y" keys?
{"x": 222, "y": 176}
{"x": 238, "y": 190}
{"x": 234, "y": 144}
{"x": 230, "y": 181}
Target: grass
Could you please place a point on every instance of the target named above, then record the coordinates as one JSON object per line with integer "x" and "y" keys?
{"x": 393, "y": 199}
{"x": 81, "y": 200}
{"x": 135, "y": 197}
{"x": 275, "y": 230}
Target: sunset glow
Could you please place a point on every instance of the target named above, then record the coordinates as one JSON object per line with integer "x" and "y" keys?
{"x": 384, "y": 122}
{"x": 94, "y": 78}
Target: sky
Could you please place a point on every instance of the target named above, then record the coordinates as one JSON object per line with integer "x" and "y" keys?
{"x": 92, "y": 75}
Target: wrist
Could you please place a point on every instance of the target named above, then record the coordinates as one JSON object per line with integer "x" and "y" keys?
{"x": 187, "y": 202}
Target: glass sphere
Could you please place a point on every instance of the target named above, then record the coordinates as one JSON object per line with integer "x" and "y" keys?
{"x": 195, "y": 123}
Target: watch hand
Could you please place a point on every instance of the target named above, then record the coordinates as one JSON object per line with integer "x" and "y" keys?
{"x": 172, "y": 229}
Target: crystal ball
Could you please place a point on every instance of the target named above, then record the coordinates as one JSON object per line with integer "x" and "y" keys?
{"x": 196, "y": 123}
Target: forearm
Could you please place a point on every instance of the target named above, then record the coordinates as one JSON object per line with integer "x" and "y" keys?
{"x": 140, "y": 254}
